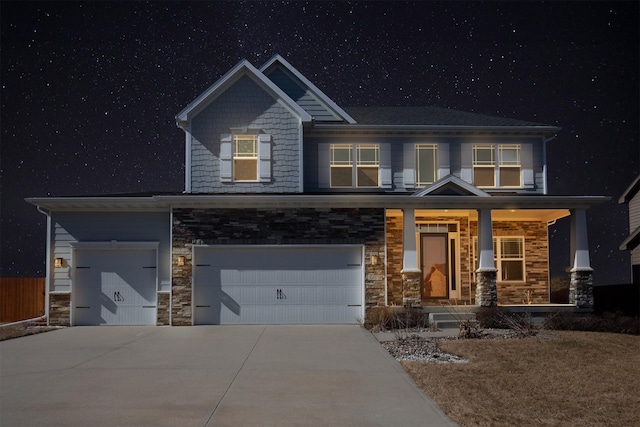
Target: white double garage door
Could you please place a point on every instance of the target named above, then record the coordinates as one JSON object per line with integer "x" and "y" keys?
{"x": 231, "y": 285}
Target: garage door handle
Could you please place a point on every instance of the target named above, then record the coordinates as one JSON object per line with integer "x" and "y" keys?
{"x": 202, "y": 306}
{"x": 148, "y": 306}
{"x": 81, "y": 306}
{"x": 354, "y": 305}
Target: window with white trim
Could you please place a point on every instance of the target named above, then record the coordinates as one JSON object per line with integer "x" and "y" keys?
{"x": 426, "y": 163}
{"x": 364, "y": 171}
{"x": 508, "y": 257}
{"x": 245, "y": 158}
{"x": 497, "y": 165}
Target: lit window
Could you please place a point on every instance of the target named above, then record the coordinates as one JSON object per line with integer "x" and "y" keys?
{"x": 508, "y": 257}
{"x": 510, "y": 164}
{"x": 484, "y": 165}
{"x": 245, "y": 158}
{"x": 503, "y": 173}
{"x": 342, "y": 165}
{"x": 368, "y": 163}
{"x": 426, "y": 161}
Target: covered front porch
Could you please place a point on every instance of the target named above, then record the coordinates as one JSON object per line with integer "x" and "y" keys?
{"x": 486, "y": 256}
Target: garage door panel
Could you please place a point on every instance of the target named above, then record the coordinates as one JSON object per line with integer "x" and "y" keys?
{"x": 310, "y": 284}
{"x": 115, "y": 287}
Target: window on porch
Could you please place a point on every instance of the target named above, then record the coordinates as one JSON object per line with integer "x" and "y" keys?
{"x": 508, "y": 257}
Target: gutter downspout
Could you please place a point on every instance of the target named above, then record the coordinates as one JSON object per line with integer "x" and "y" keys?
{"x": 47, "y": 280}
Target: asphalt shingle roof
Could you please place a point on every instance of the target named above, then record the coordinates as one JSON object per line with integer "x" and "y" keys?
{"x": 428, "y": 116}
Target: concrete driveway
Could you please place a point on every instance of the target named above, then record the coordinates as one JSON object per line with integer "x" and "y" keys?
{"x": 208, "y": 376}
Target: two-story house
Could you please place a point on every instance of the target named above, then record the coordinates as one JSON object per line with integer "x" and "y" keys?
{"x": 297, "y": 210}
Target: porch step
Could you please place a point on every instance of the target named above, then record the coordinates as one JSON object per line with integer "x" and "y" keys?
{"x": 450, "y": 320}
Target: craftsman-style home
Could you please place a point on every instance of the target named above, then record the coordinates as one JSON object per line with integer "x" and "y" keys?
{"x": 298, "y": 210}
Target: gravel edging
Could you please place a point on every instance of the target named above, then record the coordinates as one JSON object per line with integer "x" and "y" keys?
{"x": 423, "y": 346}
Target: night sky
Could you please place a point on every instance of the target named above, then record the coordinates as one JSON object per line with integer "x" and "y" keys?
{"x": 90, "y": 91}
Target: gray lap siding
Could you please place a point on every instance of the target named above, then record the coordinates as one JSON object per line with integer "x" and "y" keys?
{"x": 301, "y": 226}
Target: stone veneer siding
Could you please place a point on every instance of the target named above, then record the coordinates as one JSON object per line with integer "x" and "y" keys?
{"x": 164, "y": 298}
{"x": 60, "y": 309}
{"x": 536, "y": 250}
{"x": 302, "y": 226}
{"x": 394, "y": 256}
{"x": 581, "y": 288}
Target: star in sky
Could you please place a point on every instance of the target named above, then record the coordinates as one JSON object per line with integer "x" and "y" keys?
{"x": 89, "y": 90}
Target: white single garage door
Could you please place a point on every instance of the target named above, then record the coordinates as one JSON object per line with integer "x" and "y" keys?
{"x": 278, "y": 284}
{"x": 115, "y": 287}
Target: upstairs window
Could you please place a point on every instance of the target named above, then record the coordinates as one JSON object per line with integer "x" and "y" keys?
{"x": 510, "y": 164}
{"x": 497, "y": 165}
{"x": 367, "y": 165}
{"x": 341, "y": 165}
{"x": 364, "y": 171}
{"x": 245, "y": 157}
{"x": 426, "y": 163}
{"x": 484, "y": 165}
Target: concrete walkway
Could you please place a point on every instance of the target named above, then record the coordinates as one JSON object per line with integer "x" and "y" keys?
{"x": 208, "y": 376}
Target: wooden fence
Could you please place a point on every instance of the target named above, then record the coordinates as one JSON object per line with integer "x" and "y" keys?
{"x": 21, "y": 298}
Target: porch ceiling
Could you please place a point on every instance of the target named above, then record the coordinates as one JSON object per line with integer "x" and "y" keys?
{"x": 542, "y": 215}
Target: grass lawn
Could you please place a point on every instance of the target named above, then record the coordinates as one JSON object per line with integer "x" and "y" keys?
{"x": 560, "y": 378}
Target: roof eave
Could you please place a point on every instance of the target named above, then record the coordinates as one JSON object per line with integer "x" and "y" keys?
{"x": 538, "y": 130}
{"x": 631, "y": 191}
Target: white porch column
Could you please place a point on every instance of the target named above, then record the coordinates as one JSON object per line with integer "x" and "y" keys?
{"x": 485, "y": 241}
{"x": 486, "y": 274}
{"x": 409, "y": 252}
{"x": 579, "y": 240}
{"x": 581, "y": 286}
{"x": 411, "y": 274}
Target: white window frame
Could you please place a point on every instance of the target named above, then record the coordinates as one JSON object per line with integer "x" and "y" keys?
{"x": 498, "y": 257}
{"x": 354, "y": 163}
{"x": 253, "y": 156}
{"x": 420, "y": 181}
{"x": 497, "y": 162}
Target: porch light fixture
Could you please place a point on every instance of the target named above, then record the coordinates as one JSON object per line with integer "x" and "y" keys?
{"x": 181, "y": 261}
{"x": 58, "y": 263}
{"x": 375, "y": 260}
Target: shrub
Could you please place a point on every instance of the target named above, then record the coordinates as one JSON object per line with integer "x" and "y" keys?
{"x": 607, "y": 322}
{"x": 393, "y": 318}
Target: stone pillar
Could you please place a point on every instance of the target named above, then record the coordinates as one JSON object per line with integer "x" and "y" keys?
{"x": 59, "y": 309}
{"x": 581, "y": 286}
{"x": 163, "y": 308}
{"x": 411, "y": 274}
{"x": 486, "y": 289}
{"x": 486, "y": 274}
{"x": 411, "y": 288}
{"x": 181, "y": 295}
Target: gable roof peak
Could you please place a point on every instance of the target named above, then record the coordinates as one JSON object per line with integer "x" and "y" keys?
{"x": 320, "y": 95}
{"x": 242, "y": 68}
{"x": 449, "y": 185}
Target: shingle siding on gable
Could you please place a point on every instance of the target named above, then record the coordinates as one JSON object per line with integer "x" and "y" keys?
{"x": 245, "y": 104}
{"x": 303, "y": 97}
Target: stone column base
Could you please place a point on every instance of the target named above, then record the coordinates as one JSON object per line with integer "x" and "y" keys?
{"x": 60, "y": 309}
{"x": 486, "y": 288}
{"x": 411, "y": 288}
{"x": 581, "y": 288}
